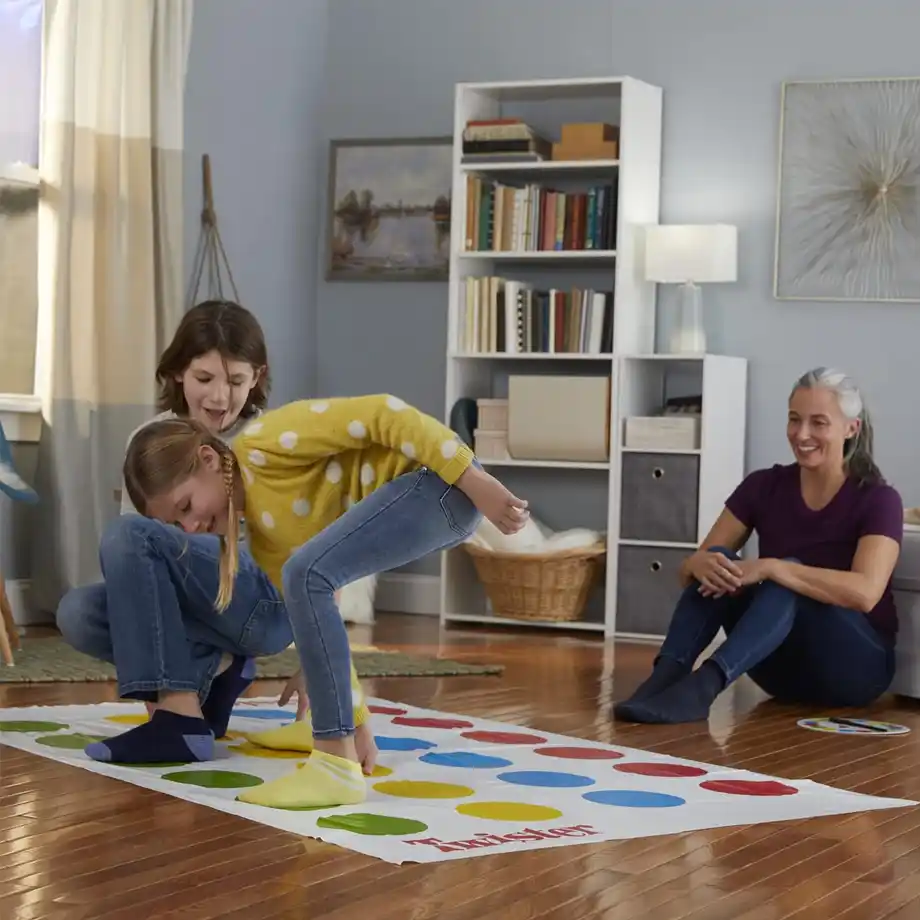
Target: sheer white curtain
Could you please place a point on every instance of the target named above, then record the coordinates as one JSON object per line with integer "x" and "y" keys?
{"x": 110, "y": 258}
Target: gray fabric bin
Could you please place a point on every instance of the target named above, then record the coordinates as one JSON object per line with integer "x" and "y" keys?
{"x": 660, "y": 497}
{"x": 647, "y": 588}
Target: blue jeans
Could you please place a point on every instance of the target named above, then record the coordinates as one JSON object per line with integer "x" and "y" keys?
{"x": 401, "y": 521}
{"x": 153, "y": 616}
{"x": 794, "y": 648}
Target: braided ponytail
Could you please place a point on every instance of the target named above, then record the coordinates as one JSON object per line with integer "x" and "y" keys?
{"x": 229, "y": 542}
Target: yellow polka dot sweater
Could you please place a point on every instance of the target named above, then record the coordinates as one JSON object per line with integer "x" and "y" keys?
{"x": 306, "y": 463}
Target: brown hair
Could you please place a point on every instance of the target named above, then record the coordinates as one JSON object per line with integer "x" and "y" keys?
{"x": 167, "y": 452}
{"x": 214, "y": 325}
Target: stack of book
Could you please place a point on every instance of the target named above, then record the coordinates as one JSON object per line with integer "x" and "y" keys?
{"x": 505, "y": 316}
{"x": 503, "y": 140}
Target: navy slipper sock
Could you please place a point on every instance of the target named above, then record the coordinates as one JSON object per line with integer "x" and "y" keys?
{"x": 688, "y": 700}
{"x": 225, "y": 690}
{"x": 666, "y": 672}
{"x": 166, "y": 738}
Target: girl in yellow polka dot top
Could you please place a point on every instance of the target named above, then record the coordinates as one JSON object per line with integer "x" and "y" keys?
{"x": 332, "y": 490}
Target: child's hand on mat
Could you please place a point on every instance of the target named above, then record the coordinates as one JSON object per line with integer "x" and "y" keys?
{"x": 366, "y": 748}
{"x": 297, "y": 685}
{"x": 504, "y": 509}
{"x": 717, "y": 574}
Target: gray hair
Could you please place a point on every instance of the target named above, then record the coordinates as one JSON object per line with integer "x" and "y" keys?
{"x": 857, "y": 451}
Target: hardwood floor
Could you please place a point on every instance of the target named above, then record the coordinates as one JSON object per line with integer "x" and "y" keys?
{"x": 75, "y": 846}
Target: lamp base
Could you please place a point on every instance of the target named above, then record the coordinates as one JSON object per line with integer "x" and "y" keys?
{"x": 689, "y": 335}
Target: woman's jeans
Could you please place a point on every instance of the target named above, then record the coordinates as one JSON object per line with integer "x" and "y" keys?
{"x": 403, "y": 520}
{"x": 794, "y": 648}
{"x": 153, "y": 616}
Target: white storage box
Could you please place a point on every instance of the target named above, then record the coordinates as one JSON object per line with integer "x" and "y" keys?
{"x": 492, "y": 414}
{"x": 662, "y": 432}
{"x": 554, "y": 417}
{"x": 490, "y": 445}
{"x": 906, "y": 584}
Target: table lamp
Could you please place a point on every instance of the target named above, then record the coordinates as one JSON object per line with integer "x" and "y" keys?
{"x": 687, "y": 254}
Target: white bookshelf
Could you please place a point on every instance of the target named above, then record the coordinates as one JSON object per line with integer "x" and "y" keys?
{"x": 638, "y": 375}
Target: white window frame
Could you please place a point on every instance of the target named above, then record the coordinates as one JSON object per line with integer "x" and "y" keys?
{"x": 20, "y": 413}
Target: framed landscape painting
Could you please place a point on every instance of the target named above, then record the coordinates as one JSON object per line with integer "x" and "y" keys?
{"x": 389, "y": 209}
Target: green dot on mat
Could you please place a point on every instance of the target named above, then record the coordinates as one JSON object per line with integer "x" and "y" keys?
{"x": 214, "y": 779}
{"x": 73, "y": 742}
{"x": 372, "y": 825}
{"x": 22, "y": 725}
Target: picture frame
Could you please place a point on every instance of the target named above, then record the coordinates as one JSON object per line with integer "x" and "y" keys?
{"x": 389, "y": 209}
{"x": 848, "y": 191}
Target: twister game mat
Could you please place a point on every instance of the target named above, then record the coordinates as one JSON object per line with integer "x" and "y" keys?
{"x": 451, "y": 787}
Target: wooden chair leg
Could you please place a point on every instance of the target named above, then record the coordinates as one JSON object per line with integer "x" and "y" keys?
{"x": 8, "y": 633}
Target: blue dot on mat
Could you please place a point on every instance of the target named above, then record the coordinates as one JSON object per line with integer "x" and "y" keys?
{"x": 402, "y": 744}
{"x": 546, "y": 778}
{"x": 631, "y": 798}
{"x": 248, "y": 713}
{"x": 464, "y": 759}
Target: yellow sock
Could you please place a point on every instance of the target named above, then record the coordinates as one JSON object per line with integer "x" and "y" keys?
{"x": 298, "y": 736}
{"x": 325, "y": 780}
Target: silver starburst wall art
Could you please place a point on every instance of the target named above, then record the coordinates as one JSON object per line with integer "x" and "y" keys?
{"x": 848, "y": 215}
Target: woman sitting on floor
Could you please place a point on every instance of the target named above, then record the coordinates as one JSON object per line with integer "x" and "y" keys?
{"x": 812, "y": 620}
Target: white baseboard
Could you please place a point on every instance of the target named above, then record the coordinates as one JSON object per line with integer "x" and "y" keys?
{"x": 18, "y": 591}
{"x": 408, "y": 593}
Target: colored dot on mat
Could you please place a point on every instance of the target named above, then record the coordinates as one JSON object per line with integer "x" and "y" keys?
{"x": 402, "y": 744}
{"x": 264, "y": 714}
{"x": 214, "y": 779}
{"x": 464, "y": 759}
{"x": 660, "y": 769}
{"x": 134, "y": 718}
{"x": 23, "y": 725}
{"x": 748, "y": 787}
{"x": 579, "y": 753}
{"x": 233, "y": 736}
{"x": 387, "y": 710}
{"x": 546, "y": 778}
{"x": 372, "y": 825}
{"x": 631, "y": 798}
{"x": 411, "y": 789}
{"x": 504, "y": 737}
{"x": 381, "y": 771}
{"x": 71, "y": 742}
{"x": 153, "y": 766}
{"x": 255, "y": 750}
{"x": 509, "y": 811}
{"x": 431, "y": 723}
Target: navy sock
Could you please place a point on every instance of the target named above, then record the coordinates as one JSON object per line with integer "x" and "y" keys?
{"x": 666, "y": 671}
{"x": 166, "y": 738}
{"x": 225, "y": 690}
{"x": 688, "y": 700}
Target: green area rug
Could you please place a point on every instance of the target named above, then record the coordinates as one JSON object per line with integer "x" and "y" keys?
{"x": 52, "y": 660}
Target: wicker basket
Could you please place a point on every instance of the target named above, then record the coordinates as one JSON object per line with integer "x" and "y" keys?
{"x": 544, "y": 586}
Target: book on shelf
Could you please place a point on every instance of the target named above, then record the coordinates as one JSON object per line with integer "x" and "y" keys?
{"x": 532, "y": 218}
{"x": 501, "y": 140}
{"x": 505, "y": 316}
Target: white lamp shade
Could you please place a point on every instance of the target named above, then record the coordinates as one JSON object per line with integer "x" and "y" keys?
{"x": 678, "y": 253}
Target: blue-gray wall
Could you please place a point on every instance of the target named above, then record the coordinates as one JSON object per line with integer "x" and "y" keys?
{"x": 253, "y": 102}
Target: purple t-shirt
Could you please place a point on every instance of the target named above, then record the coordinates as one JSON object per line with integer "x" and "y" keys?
{"x": 770, "y": 502}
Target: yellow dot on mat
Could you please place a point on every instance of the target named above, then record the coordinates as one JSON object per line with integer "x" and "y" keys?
{"x": 254, "y": 750}
{"x": 233, "y": 736}
{"x": 132, "y": 719}
{"x": 509, "y": 811}
{"x": 382, "y": 771}
{"x": 409, "y": 789}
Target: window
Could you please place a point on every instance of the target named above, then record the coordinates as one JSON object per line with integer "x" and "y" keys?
{"x": 20, "y": 104}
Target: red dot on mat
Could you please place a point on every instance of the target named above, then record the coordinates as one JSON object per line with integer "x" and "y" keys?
{"x": 579, "y": 753}
{"x": 388, "y": 710}
{"x": 748, "y": 787}
{"x": 431, "y": 723}
{"x": 504, "y": 737}
{"x": 659, "y": 769}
